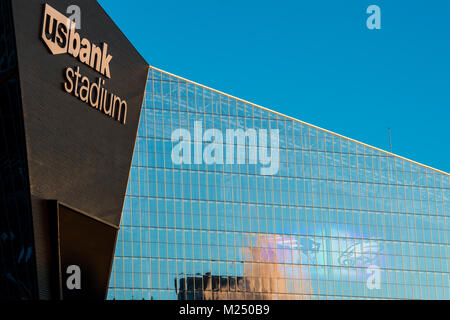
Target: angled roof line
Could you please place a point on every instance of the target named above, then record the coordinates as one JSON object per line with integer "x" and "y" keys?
{"x": 300, "y": 121}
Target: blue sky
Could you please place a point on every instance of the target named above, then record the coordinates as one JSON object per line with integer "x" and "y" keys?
{"x": 313, "y": 60}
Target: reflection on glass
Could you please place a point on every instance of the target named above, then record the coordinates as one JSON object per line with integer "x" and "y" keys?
{"x": 339, "y": 220}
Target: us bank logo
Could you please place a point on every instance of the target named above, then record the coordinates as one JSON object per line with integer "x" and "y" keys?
{"x": 60, "y": 35}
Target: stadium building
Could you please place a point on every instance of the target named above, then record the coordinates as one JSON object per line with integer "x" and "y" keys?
{"x": 122, "y": 181}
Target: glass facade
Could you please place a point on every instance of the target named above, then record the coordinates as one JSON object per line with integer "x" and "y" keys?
{"x": 338, "y": 220}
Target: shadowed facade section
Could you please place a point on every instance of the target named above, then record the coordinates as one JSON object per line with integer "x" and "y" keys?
{"x": 17, "y": 266}
{"x": 64, "y": 166}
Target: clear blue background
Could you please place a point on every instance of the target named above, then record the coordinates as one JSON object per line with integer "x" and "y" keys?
{"x": 313, "y": 60}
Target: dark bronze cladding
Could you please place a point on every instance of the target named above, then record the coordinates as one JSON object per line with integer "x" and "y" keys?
{"x": 58, "y": 146}
{"x": 79, "y": 248}
{"x": 17, "y": 275}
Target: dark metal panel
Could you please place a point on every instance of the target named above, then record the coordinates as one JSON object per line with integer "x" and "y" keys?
{"x": 17, "y": 264}
{"x": 77, "y": 154}
{"x": 88, "y": 244}
{"x": 46, "y": 248}
{"x": 58, "y": 147}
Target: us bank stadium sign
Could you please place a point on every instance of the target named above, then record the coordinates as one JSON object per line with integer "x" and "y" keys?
{"x": 58, "y": 33}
